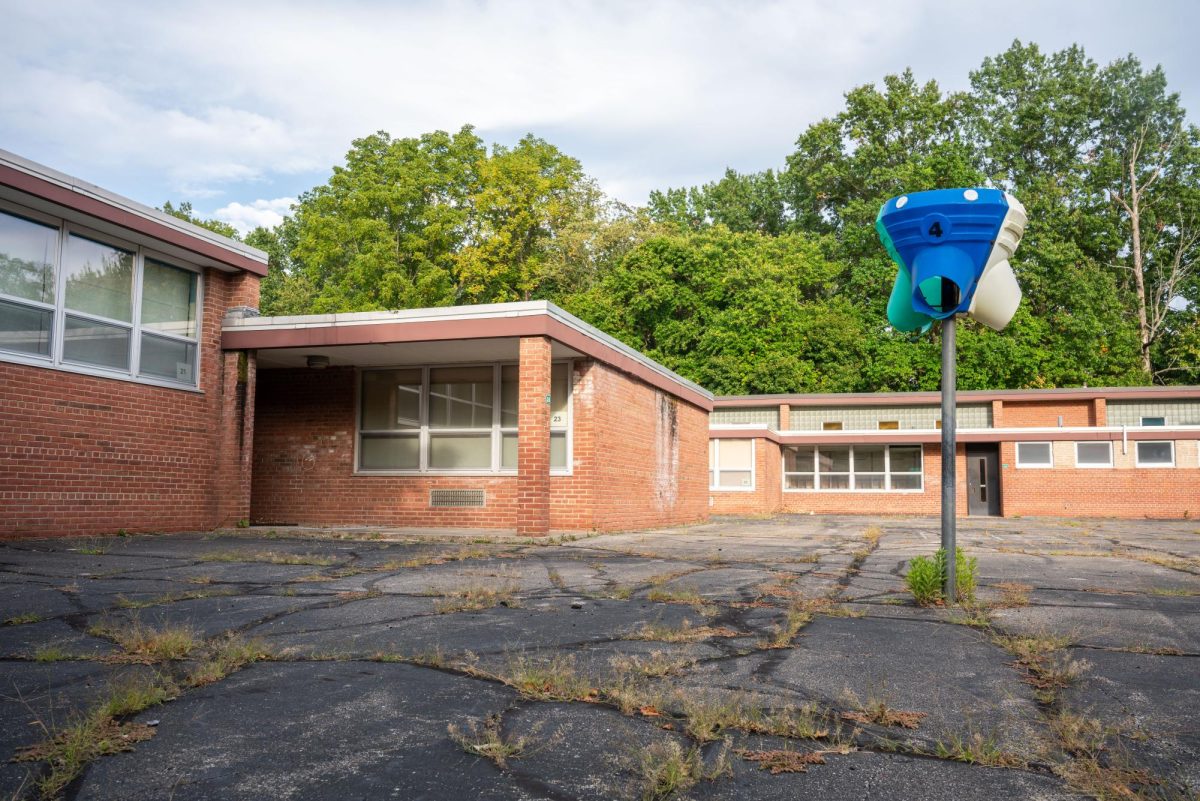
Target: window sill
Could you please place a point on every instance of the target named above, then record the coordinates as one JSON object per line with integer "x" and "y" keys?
{"x": 95, "y": 372}
{"x": 856, "y": 491}
{"x": 731, "y": 489}
{"x": 454, "y": 473}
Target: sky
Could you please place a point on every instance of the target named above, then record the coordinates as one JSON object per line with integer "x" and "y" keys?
{"x": 239, "y": 107}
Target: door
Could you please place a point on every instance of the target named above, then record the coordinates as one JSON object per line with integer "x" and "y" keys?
{"x": 983, "y": 480}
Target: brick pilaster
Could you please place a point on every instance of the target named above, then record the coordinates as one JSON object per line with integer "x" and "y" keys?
{"x": 997, "y": 414}
{"x": 236, "y": 449}
{"x": 1100, "y": 412}
{"x": 785, "y": 417}
{"x": 533, "y": 438}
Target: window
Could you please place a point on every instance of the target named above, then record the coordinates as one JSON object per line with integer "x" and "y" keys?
{"x": 1093, "y": 454}
{"x": 1034, "y": 454}
{"x": 68, "y": 298}
{"x": 1156, "y": 454}
{"x": 731, "y": 464}
{"x": 831, "y": 426}
{"x": 453, "y": 419}
{"x": 861, "y": 468}
{"x": 1154, "y": 421}
{"x": 889, "y": 425}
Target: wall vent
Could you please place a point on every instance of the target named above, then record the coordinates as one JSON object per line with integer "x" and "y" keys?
{"x": 457, "y": 498}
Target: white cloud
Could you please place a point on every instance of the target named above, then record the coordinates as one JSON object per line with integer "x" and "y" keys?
{"x": 246, "y": 217}
{"x": 225, "y": 97}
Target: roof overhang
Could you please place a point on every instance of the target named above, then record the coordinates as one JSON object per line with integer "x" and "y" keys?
{"x": 963, "y": 397}
{"x": 486, "y": 325}
{"x": 56, "y": 193}
{"x": 963, "y": 435}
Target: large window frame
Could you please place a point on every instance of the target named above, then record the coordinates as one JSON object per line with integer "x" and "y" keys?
{"x": 715, "y": 469}
{"x": 1025, "y": 464}
{"x": 1137, "y": 450}
{"x": 1093, "y": 465}
{"x": 425, "y": 433}
{"x": 57, "y": 358}
{"x": 851, "y": 473}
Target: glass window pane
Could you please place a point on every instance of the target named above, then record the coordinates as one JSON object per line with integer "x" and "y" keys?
{"x": 906, "y": 482}
{"x": 736, "y": 478}
{"x": 391, "y": 400}
{"x": 736, "y": 454}
{"x": 1098, "y": 453}
{"x": 799, "y": 482}
{"x": 25, "y": 329}
{"x": 99, "y": 279}
{"x": 889, "y": 425}
{"x": 832, "y": 426}
{"x": 168, "y": 358}
{"x": 835, "y": 481}
{"x": 558, "y": 450}
{"x": 168, "y": 299}
{"x": 383, "y": 452}
{"x": 833, "y": 459}
{"x": 101, "y": 344}
{"x": 510, "y": 387}
{"x": 798, "y": 460}
{"x": 28, "y": 251}
{"x": 905, "y": 459}
{"x": 560, "y": 395}
{"x": 460, "y": 397}
{"x": 1033, "y": 453}
{"x": 1155, "y": 453}
{"x": 1154, "y": 421}
{"x": 868, "y": 459}
{"x": 868, "y": 482}
{"x": 460, "y": 452}
{"x": 508, "y": 451}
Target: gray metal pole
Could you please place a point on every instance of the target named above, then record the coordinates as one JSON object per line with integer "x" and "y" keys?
{"x": 949, "y": 472}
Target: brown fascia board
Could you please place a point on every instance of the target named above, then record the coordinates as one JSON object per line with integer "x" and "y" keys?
{"x": 970, "y": 436}
{"x": 528, "y": 319}
{"x": 63, "y": 190}
{"x": 968, "y": 396}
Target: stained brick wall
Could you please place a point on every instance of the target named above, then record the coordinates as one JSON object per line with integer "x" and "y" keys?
{"x": 87, "y": 455}
{"x": 631, "y": 466}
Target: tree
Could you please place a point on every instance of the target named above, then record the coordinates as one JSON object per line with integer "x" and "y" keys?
{"x": 184, "y": 212}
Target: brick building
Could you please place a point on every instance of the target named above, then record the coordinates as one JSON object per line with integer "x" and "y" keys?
{"x": 140, "y": 390}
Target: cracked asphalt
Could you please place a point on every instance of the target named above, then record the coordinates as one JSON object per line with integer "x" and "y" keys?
{"x": 374, "y": 644}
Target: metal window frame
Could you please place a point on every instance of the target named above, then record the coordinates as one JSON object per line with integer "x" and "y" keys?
{"x": 817, "y": 473}
{"x": 1094, "y": 466}
{"x": 1035, "y": 465}
{"x": 714, "y": 484}
{"x": 1137, "y": 454}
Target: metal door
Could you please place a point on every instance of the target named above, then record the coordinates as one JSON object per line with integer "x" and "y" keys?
{"x": 983, "y": 481}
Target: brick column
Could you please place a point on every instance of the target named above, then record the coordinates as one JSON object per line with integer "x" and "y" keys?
{"x": 1100, "y": 412}
{"x": 235, "y": 458}
{"x": 785, "y": 417}
{"x": 533, "y": 438}
{"x": 997, "y": 414}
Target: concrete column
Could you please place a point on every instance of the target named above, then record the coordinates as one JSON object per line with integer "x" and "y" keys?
{"x": 533, "y": 438}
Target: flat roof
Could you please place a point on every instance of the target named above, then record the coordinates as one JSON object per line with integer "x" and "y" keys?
{"x": 963, "y": 396}
{"x": 65, "y": 192}
{"x": 491, "y": 321}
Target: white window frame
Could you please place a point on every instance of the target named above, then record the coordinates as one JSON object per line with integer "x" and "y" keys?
{"x": 714, "y": 482}
{"x": 1035, "y": 465}
{"x": 887, "y": 471}
{"x": 1086, "y": 466}
{"x": 1137, "y": 453}
{"x": 55, "y": 360}
{"x": 424, "y": 433}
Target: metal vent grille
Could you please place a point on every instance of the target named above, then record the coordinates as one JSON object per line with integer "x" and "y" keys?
{"x": 456, "y": 497}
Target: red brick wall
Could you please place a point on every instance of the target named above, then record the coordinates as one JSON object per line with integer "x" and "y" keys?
{"x": 766, "y": 497}
{"x": 304, "y": 464}
{"x": 87, "y": 455}
{"x": 1123, "y": 490}
{"x": 1026, "y": 414}
{"x": 652, "y": 465}
{"x": 533, "y": 438}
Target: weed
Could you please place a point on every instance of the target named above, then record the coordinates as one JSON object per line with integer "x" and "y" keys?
{"x": 656, "y": 665}
{"x": 23, "y": 618}
{"x": 94, "y": 548}
{"x": 145, "y": 644}
{"x": 676, "y": 595}
{"x": 169, "y": 598}
{"x": 872, "y": 535}
{"x": 972, "y": 616}
{"x": 201, "y": 580}
{"x": 270, "y": 557}
{"x": 226, "y": 655}
{"x": 474, "y": 598}
{"x": 52, "y": 653}
{"x": 783, "y": 761}
{"x": 243, "y": 523}
{"x": 708, "y": 716}
{"x": 485, "y": 739}
{"x": 976, "y": 749}
{"x": 927, "y": 576}
{"x": 553, "y": 679}
{"x": 878, "y": 712}
{"x": 556, "y": 579}
{"x": 1152, "y": 649}
{"x": 1079, "y": 735}
{"x": 667, "y": 769}
{"x": 1048, "y": 669}
{"x": 67, "y": 751}
{"x": 798, "y": 616}
{"x": 1013, "y": 594}
{"x": 1173, "y": 592}
{"x": 685, "y": 632}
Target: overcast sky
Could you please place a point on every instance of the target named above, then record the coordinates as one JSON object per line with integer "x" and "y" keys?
{"x": 238, "y": 107}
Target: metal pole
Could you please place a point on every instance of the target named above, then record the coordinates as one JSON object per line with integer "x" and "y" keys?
{"x": 949, "y": 472}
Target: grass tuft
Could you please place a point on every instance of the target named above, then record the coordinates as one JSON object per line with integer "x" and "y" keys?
{"x": 474, "y": 598}
{"x": 145, "y": 644}
{"x": 270, "y": 557}
{"x": 23, "y": 619}
{"x": 667, "y": 769}
{"x": 783, "y": 761}
{"x": 685, "y": 632}
{"x": 484, "y": 738}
